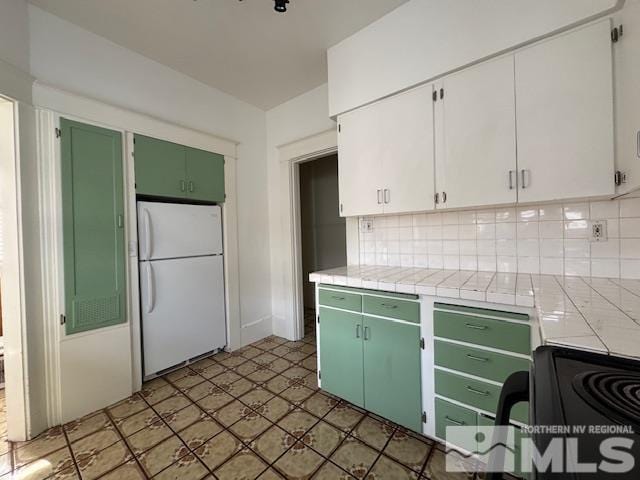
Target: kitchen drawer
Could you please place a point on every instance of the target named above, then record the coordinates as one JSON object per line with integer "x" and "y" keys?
{"x": 485, "y": 421}
{"x": 451, "y": 415}
{"x": 341, "y": 299}
{"x": 482, "y": 311}
{"x": 476, "y": 361}
{"x": 475, "y": 393}
{"x": 392, "y": 308}
{"x": 488, "y": 332}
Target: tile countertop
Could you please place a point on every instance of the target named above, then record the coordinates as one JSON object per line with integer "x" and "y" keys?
{"x": 597, "y": 314}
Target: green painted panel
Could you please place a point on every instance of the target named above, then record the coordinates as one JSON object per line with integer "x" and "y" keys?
{"x": 482, "y": 311}
{"x": 341, "y": 360}
{"x": 392, "y": 371}
{"x": 451, "y": 415}
{"x": 406, "y": 296}
{"x": 93, "y": 226}
{"x": 348, "y": 301}
{"x": 160, "y": 168}
{"x": 205, "y": 175}
{"x": 485, "y": 421}
{"x": 500, "y": 334}
{"x": 392, "y": 307}
{"x": 475, "y": 393}
{"x": 476, "y": 361}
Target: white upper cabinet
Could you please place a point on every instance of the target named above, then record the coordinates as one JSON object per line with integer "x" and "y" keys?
{"x": 385, "y": 155}
{"x": 564, "y": 115}
{"x": 476, "y": 136}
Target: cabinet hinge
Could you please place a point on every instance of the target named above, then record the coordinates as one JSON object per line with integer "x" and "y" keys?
{"x": 441, "y": 93}
{"x": 435, "y": 96}
{"x": 341, "y": 208}
{"x": 422, "y": 343}
{"x": 616, "y": 33}
{"x": 339, "y": 128}
{"x": 63, "y": 319}
{"x": 424, "y": 417}
{"x": 134, "y": 140}
{"x": 318, "y": 318}
{"x": 58, "y": 133}
{"x": 319, "y": 374}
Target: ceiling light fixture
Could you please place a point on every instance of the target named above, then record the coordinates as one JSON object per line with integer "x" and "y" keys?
{"x": 281, "y": 6}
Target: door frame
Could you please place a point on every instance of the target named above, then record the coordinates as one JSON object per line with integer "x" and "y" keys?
{"x": 291, "y": 156}
{"x": 13, "y": 291}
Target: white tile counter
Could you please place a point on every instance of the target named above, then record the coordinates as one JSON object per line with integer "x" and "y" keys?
{"x": 597, "y": 314}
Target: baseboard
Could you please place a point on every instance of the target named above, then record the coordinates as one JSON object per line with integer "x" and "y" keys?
{"x": 254, "y": 331}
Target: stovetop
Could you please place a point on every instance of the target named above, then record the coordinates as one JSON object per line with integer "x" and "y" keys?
{"x": 597, "y": 393}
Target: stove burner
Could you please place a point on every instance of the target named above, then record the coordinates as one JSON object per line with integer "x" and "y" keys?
{"x": 614, "y": 394}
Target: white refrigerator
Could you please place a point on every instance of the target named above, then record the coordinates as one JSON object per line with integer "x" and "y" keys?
{"x": 181, "y": 283}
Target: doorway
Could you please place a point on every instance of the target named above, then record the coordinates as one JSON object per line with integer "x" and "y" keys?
{"x": 322, "y": 230}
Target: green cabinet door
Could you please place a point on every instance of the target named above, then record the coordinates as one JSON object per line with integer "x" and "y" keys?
{"x": 392, "y": 371}
{"x": 160, "y": 168}
{"x": 205, "y": 175}
{"x": 341, "y": 354}
{"x": 93, "y": 226}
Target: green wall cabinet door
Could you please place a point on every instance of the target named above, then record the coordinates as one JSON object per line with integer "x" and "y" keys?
{"x": 160, "y": 168}
{"x": 341, "y": 354}
{"x": 93, "y": 226}
{"x": 205, "y": 175}
{"x": 392, "y": 383}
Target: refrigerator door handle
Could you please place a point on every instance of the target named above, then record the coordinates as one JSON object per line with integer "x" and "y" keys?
{"x": 150, "y": 289}
{"x": 147, "y": 234}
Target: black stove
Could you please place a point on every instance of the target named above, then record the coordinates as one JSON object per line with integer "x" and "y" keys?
{"x": 591, "y": 398}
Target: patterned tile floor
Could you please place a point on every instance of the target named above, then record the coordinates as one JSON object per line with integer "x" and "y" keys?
{"x": 253, "y": 413}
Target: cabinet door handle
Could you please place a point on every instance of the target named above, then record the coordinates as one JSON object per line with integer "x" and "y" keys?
{"x": 477, "y": 359}
{"x": 477, "y": 392}
{"x": 183, "y": 186}
{"x": 120, "y": 220}
{"x": 510, "y": 179}
{"x": 379, "y": 196}
{"x": 358, "y": 331}
{"x": 437, "y": 198}
{"x": 444, "y": 197}
{"x": 455, "y": 422}
{"x": 523, "y": 176}
{"x": 191, "y": 186}
{"x": 475, "y": 327}
{"x": 366, "y": 333}
{"x": 387, "y": 195}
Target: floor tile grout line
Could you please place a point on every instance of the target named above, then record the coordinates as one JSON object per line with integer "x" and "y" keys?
{"x": 127, "y": 446}
{"x": 71, "y": 452}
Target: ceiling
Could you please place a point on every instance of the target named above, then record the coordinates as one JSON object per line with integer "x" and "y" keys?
{"x": 242, "y": 47}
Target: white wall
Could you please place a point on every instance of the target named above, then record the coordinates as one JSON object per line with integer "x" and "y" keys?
{"x": 298, "y": 118}
{"x": 14, "y": 50}
{"x": 423, "y": 39}
{"x": 76, "y": 60}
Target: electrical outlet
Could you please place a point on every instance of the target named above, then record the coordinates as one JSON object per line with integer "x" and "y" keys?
{"x": 366, "y": 225}
{"x": 599, "y": 231}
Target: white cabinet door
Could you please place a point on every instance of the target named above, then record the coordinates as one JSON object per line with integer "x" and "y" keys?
{"x": 407, "y": 134}
{"x": 565, "y": 116}
{"x": 476, "y": 125}
{"x": 360, "y": 162}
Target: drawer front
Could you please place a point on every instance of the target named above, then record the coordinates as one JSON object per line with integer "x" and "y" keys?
{"x": 476, "y": 393}
{"x": 482, "y": 311}
{"x": 513, "y": 337}
{"x": 478, "y": 362}
{"x": 392, "y": 308}
{"x": 451, "y": 415}
{"x": 347, "y": 301}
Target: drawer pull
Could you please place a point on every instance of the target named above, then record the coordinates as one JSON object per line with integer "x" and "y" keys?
{"x": 358, "y": 331}
{"x": 476, "y": 327}
{"x": 478, "y": 392}
{"x": 477, "y": 359}
{"x": 388, "y": 305}
{"x": 335, "y": 297}
{"x": 455, "y": 422}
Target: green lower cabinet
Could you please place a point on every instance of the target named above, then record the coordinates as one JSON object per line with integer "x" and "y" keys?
{"x": 205, "y": 175}
{"x": 341, "y": 360}
{"x": 485, "y": 421}
{"x": 451, "y": 415}
{"x": 475, "y": 393}
{"x": 392, "y": 383}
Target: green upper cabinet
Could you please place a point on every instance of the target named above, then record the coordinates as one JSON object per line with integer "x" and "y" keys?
{"x": 160, "y": 168}
{"x": 165, "y": 169}
{"x": 93, "y": 226}
{"x": 205, "y": 175}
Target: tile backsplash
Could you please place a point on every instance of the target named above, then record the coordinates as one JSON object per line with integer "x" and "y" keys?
{"x": 549, "y": 239}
